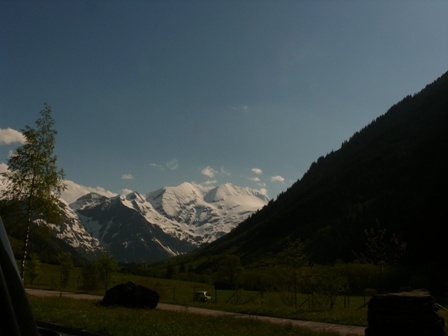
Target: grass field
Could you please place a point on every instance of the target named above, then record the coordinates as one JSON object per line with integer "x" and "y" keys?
{"x": 115, "y": 321}
{"x": 347, "y": 310}
{"x": 267, "y": 304}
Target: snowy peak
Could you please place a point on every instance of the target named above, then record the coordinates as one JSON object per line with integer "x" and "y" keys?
{"x": 165, "y": 222}
{"x": 170, "y": 200}
{"x": 228, "y": 191}
{"x": 87, "y": 200}
{"x": 72, "y": 232}
{"x": 133, "y": 200}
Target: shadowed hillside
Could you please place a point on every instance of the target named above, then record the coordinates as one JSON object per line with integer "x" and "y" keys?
{"x": 393, "y": 173}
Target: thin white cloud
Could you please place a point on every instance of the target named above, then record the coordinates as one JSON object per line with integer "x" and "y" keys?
{"x": 277, "y": 178}
{"x": 257, "y": 171}
{"x": 212, "y": 173}
{"x": 209, "y": 171}
{"x": 75, "y": 191}
{"x": 157, "y": 166}
{"x": 243, "y": 108}
{"x": 126, "y": 191}
{"x": 172, "y": 164}
{"x": 9, "y": 136}
{"x": 263, "y": 191}
{"x": 209, "y": 183}
{"x": 254, "y": 179}
{"x": 127, "y": 177}
{"x": 224, "y": 172}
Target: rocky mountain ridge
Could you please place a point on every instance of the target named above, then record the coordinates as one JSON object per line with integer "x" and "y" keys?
{"x": 160, "y": 224}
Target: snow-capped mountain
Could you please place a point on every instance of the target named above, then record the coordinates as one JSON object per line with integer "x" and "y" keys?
{"x": 166, "y": 222}
{"x": 73, "y": 233}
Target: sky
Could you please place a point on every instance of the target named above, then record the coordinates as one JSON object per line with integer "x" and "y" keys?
{"x": 147, "y": 94}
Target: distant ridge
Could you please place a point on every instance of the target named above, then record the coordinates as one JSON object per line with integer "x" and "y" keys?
{"x": 143, "y": 227}
{"x": 167, "y": 222}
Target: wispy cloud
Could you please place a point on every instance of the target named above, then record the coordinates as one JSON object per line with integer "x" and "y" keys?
{"x": 172, "y": 164}
{"x": 156, "y": 166}
{"x": 263, "y": 191}
{"x": 224, "y": 172}
{"x": 9, "y": 136}
{"x": 243, "y": 108}
{"x": 75, "y": 191}
{"x": 277, "y": 178}
{"x": 126, "y": 191}
{"x": 257, "y": 171}
{"x": 127, "y": 176}
{"x": 209, "y": 171}
{"x": 254, "y": 179}
{"x": 208, "y": 183}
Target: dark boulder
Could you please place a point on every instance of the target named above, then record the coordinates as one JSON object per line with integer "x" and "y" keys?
{"x": 407, "y": 313}
{"x": 130, "y": 294}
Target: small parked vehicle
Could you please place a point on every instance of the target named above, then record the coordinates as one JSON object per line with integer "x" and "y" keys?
{"x": 201, "y": 296}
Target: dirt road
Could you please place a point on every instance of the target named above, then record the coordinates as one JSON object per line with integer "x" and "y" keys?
{"x": 318, "y": 326}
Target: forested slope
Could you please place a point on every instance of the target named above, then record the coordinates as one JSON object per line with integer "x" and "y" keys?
{"x": 392, "y": 173}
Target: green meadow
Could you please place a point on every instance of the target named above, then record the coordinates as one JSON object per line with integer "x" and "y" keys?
{"x": 116, "y": 321}
{"x": 86, "y": 314}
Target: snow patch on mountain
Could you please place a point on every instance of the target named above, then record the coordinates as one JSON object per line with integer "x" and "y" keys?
{"x": 165, "y": 222}
{"x": 73, "y": 233}
{"x": 205, "y": 213}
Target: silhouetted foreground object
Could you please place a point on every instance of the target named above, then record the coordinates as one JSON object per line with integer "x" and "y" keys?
{"x": 407, "y": 313}
{"x": 130, "y": 294}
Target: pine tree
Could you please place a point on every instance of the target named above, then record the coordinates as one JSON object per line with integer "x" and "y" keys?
{"x": 33, "y": 178}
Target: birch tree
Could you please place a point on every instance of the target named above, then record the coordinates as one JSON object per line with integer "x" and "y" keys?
{"x": 33, "y": 179}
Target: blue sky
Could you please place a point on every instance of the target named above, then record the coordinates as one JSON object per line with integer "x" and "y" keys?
{"x": 147, "y": 94}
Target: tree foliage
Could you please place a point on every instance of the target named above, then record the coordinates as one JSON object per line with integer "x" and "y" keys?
{"x": 230, "y": 271}
{"x": 99, "y": 271}
{"x": 381, "y": 248}
{"x": 33, "y": 179}
{"x": 107, "y": 266}
{"x": 295, "y": 257}
{"x": 65, "y": 268}
{"x": 90, "y": 275}
{"x": 34, "y": 267}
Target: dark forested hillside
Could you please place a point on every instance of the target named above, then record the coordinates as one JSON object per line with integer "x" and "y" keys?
{"x": 392, "y": 173}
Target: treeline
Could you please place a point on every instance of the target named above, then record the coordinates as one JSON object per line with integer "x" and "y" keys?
{"x": 94, "y": 274}
{"x": 356, "y": 278}
{"x": 377, "y": 268}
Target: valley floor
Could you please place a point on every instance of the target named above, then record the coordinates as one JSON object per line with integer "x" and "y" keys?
{"x": 317, "y": 326}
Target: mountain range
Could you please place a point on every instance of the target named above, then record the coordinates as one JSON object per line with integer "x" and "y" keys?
{"x": 157, "y": 225}
{"x": 390, "y": 175}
